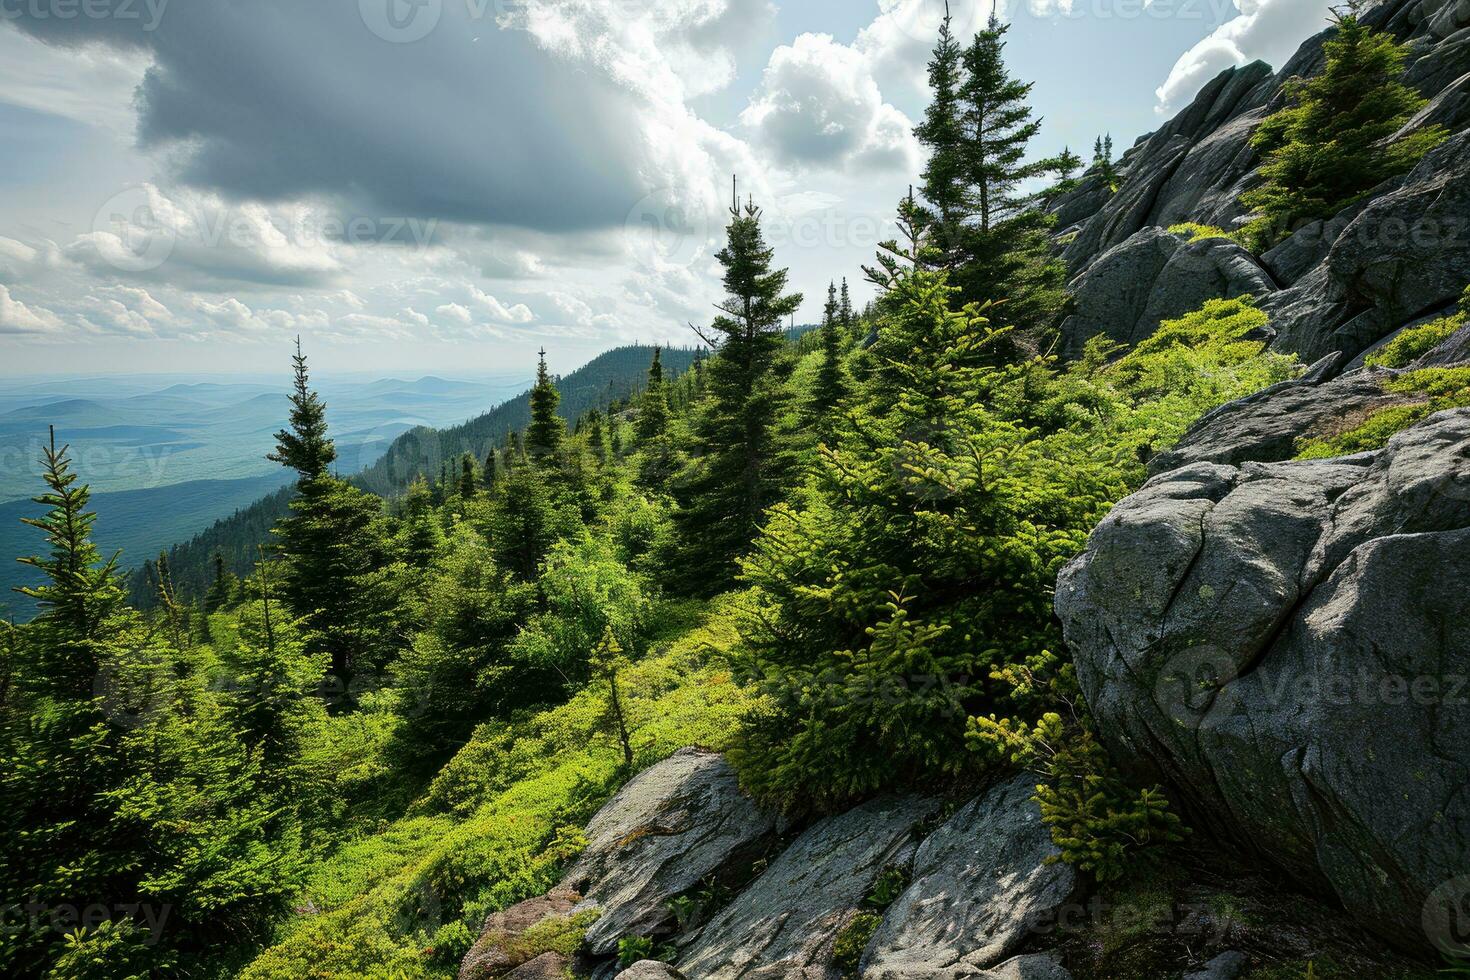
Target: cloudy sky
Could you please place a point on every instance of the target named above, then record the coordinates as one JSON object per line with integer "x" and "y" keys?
{"x": 446, "y": 185}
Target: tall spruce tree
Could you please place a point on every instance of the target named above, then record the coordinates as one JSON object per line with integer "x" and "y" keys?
{"x": 468, "y": 486}
{"x": 943, "y": 132}
{"x": 545, "y": 433}
{"x": 741, "y": 463}
{"x": 333, "y": 544}
{"x": 831, "y": 382}
{"x": 653, "y": 409}
{"x": 985, "y": 222}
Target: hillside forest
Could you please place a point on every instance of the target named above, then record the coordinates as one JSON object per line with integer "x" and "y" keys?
{"x": 831, "y": 555}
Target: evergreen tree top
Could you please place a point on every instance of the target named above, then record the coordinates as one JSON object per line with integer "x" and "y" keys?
{"x": 305, "y": 447}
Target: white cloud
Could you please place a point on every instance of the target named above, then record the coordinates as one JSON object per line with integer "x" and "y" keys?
{"x": 498, "y": 311}
{"x": 819, "y": 105}
{"x": 200, "y": 240}
{"x": 17, "y": 317}
{"x": 459, "y": 314}
{"x": 1269, "y": 30}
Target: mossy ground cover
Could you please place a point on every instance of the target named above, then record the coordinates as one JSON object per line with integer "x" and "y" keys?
{"x": 501, "y": 820}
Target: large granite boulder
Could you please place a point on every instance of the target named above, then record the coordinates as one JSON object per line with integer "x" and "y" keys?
{"x": 785, "y": 923}
{"x": 981, "y": 884}
{"x": 666, "y": 830}
{"x": 1154, "y": 276}
{"x": 1285, "y": 645}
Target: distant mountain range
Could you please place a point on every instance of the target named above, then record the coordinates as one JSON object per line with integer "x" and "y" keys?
{"x": 165, "y": 458}
{"x": 609, "y": 377}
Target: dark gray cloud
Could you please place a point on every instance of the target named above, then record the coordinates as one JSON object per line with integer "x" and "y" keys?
{"x": 278, "y": 99}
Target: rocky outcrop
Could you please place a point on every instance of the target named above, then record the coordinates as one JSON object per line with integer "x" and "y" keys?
{"x": 1336, "y": 285}
{"x": 1198, "y": 147}
{"x": 1266, "y": 427}
{"x": 1154, "y": 276}
{"x": 1405, "y": 254}
{"x": 785, "y": 923}
{"x": 497, "y": 953}
{"x": 670, "y": 827}
{"x": 981, "y": 884}
{"x": 1284, "y": 645}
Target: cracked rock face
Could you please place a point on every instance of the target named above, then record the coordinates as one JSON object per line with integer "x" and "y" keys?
{"x": 980, "y": 885}
{"x": 1286, "y": 645}
{"x": 1155, "y": 276}
{"x": 666, "y": 830}
{"x": 783, "y": 926}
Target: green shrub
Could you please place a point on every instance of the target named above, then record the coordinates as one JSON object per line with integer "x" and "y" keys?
{"x": 847, "y": 949}
{"x": 1415, "y": 342}
{"x": 1194, "y": 232}
{"x": 1440, "y": 388}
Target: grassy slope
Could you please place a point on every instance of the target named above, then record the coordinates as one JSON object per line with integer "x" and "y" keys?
{"x": 407, "y": 901}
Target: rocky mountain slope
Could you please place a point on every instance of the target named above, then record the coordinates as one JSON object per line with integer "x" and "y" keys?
{"x": 1282, "y": 642}
{"x": 1342, "y": 284}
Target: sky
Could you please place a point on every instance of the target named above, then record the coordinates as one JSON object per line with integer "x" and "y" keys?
{"x": 447, "y": 186}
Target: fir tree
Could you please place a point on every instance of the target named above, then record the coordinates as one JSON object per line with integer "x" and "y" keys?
{"x": 844, "y": 312}
{"x": 1102, "y": 161}
{"x": 221, "y": 587}
{"x": 521, "y": 522}
{"x": 741, "y": 465}
{"x": 544, "y": 434}
{"x": 304, "y": 447}
{"x": 653, "y": 410}
{"x": 997, "y": 239}
{"x": 831, "y": 381}
{"x": 942, "y": 131}
{"x": 333, "y": 544}
{"x": 1333, "y": 143}
{"x": 467, "y": 485}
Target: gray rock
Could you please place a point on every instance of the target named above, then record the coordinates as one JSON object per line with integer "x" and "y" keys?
{"x": 651, "y": 970}
{"x": 785, "y": 923}
{"x": 981, "y": 884}
{"x": 1196, "y": 143}
{"x": 1284, "y": 644}
{"x": 494, "y": 952}
{"x": 1032, "y": 966}
{"x": 670, "y": 827}
{"x": 1454, "y": 349}
{"x": 1406, "y": 253}
{"x": 1265, "y": 427}
{"x": 1226, "y": 966}
{"x": 547, "y": 966}
{"x": 1081, "y": 202}
{"x": 1152, "y": 277}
